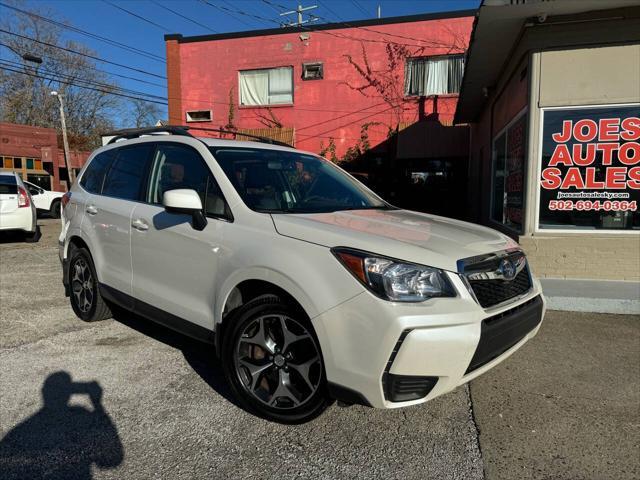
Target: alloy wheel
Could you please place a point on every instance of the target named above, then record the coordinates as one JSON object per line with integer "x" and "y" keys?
{"x": 82, "y": 285}
{"x": 278, "y": 362}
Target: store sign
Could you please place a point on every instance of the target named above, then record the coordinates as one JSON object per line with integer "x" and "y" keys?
{"x": 590, "y": 172}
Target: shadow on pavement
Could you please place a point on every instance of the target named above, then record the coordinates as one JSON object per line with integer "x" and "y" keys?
{"x": 199, "y": 355}
{"x": 61, "y": 441}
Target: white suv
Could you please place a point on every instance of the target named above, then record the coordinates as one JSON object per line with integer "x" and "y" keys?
{"x": 45, "y": 200}
{"x": 309, "y": 285}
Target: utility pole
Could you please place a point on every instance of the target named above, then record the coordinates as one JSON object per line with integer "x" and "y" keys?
{"x": 299, "y": 11}
{"x": 65, "y": 141}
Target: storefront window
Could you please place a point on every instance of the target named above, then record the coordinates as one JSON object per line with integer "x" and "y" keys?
{"x": 508, "y": 174}
{"x": 590, "y": 169}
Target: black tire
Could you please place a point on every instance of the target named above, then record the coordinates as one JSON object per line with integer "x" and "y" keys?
{"x": 85, "y": 298}
{"x": 257, "y": 393}
{"x": 33, "y": 237}
{"x": 55, "y": 209}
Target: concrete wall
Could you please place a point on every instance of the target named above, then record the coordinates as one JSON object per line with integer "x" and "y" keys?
{"x": 26, "y": 141}
{"x": 590, "y": 76}
{"x": 584, "y": 256}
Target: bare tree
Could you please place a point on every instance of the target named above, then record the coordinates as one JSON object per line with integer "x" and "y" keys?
{"x": 25, "y": 86}
{"x": 144, "y": 114}
{"x": 386, "y": 81}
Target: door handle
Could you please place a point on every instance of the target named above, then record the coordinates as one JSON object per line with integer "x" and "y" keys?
{"x": 91, "y": 210}
{"x": 140, "y": 225}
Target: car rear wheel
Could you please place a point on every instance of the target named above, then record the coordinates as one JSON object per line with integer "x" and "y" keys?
{"x": 272, "y": 360}
{"x": 55, "y": 209}
{"x": 86, "y": 301}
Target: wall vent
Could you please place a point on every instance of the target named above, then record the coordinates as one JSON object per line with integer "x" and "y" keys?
{"x": 199, "y": 116}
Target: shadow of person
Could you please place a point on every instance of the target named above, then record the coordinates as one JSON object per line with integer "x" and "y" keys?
{"x": 61, "y": 441}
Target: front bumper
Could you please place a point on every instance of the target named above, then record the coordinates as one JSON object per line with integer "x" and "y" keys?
{"x": 368, "y": 343}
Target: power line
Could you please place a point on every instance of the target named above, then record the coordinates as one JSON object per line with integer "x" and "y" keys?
{"x": 329, "y": 9}
{"x": 94, "y": 36}
{"x": 360, "y": 7}
{"x": 73, "y": 78}
{"x": 107, "y": 92}
{"x": 101, "y": 71}
{"x": 184, "y": 17}
{"x": 342, "y": 126}
{"x": 226, "y": 11}
{"x": 213, "y": 102}
{"x": 83, "y": 54}
{"x": 139, "y": 17}
{"x": 80, "y": 86}
{"x": 343, "y": 36}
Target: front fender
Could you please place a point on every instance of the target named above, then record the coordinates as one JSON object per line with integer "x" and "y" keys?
{"x": 274, "y": 277}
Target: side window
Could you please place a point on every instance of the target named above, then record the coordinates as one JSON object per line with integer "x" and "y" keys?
{"x": 93, "y": 176}
{"x": 126, "y": 176}
{"x": 33, "y": 190}
{"x": 179, "y": 166}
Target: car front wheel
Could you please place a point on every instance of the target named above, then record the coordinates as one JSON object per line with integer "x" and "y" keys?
{"x": 273, "y": 363}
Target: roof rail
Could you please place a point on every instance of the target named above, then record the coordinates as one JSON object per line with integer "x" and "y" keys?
{"x": 128, "y": 133}
{"x": 236, "y": 133}
{"x": 182, "y": 130}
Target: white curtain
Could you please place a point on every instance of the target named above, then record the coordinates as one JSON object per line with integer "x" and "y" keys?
{"x": 280, "y": 88}
{"x": 254, "y": 87}
{"x": 433, "y": 76}
{"x": 437, "y": 73}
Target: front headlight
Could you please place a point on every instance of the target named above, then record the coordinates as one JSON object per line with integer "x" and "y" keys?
{"x": 393, "y": 279}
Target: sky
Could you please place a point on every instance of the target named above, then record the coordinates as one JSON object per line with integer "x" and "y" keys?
{"x": 145, "y": 32}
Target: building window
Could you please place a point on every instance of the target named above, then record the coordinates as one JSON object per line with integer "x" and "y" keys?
{"x": 507, "y": 204}
{"x": 273, "y": 86}
{"x": 38, "y": 164}
{"x": 433, "y": 75}
{"x": 8, "y": 162}
{"x": 590, "y": 169}
{"x": 17, "y": 163}
{"x": 29, "y": 163}
{"x": 199, "y": 116}
{"x": 312, "y": 71}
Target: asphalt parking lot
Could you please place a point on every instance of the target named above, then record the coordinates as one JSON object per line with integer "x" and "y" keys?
{"x": 125, "y": 399}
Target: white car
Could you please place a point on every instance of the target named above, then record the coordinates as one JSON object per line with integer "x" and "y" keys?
{"x": 17, "y": 211}
{"x": 309, "y": 286}
{"x": 45, "y": 200}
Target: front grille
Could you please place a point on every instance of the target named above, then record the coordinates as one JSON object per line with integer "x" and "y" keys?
{"x": 501, "y": 332}
{"x": 493, "y": 292}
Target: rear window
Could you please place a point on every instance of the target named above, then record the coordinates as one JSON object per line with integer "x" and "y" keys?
{"x": 93, "y": 177}
{"x": 8, "y": 185}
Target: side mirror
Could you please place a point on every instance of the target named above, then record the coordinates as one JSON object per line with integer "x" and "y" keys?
{"x": 185, "y": 201}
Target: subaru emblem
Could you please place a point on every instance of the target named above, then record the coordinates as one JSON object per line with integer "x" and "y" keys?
{"x": 507, "y": 269}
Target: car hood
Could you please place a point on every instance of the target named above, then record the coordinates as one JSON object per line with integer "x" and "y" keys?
{"x": 402, "y": 234}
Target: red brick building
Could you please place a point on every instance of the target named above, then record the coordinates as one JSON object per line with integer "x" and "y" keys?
{"x": 33, "y": 152}
{"x": 311, "y": 86}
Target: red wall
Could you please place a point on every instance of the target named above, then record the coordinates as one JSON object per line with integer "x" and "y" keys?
{"x": 202, "y": 73}
{"x": 39, "y": 143}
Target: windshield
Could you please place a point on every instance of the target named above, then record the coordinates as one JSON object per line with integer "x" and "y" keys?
{"x": 277, "y": 181}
